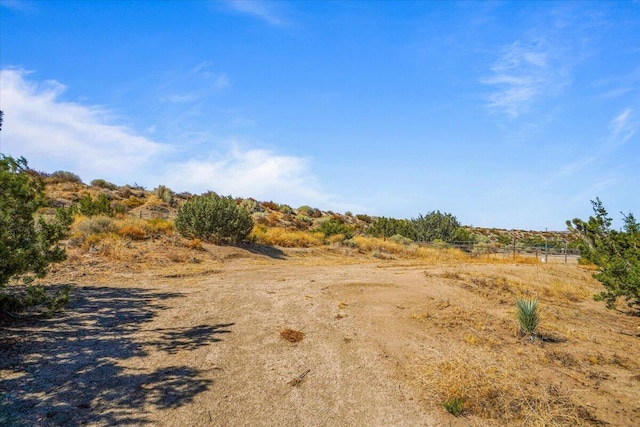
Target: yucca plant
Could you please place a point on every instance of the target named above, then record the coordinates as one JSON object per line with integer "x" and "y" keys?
{"x": 454, "y": 406}
{"x": 527, "y": 314}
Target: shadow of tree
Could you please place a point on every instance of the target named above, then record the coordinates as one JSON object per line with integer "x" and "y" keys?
{"x": 66, "y": 370}
{"x": 172, "y": 340}
{"x": 266, "y": 250}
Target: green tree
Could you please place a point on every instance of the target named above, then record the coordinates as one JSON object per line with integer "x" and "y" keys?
{"x": 436, "y": 225}
{"x": 214, "y": 219}
{"x": 27, "y": 245}
{"x": 615, "y": 252}
{"x": 89, "y": 207}
{"x": 333, "y": 227}
{"x": 387, "y": 227}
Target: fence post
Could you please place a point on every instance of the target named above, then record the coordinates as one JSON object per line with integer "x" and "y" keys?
{"x": 565, "y": 252}
{"x": 514, "y": 246}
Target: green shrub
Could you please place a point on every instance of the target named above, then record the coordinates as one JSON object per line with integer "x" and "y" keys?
{"x": 165, "y": 194}
{"x": 96, "y": 225}
{"x": 364, "y": 218}
{"x": 387, "y": 227}
{"x": 436, "y": 225}
{"x": 615, "y": 252}
{"x": 63, "y": 176}
{"x": 251, "y": 205}
{"x": 505, "y": 239}
{"x": 334, "y": 226}
{"x": 400, "y": 239}
{"x": 104, "y": 184}
{"x": 34, "y": 296}
{"x": 88, "y": 207}
{"x": 454, "y": 406}
{"x": 305, "y": 210}
{"x": 527, "y": 315}
{"x": 27, "y": 246}
{"x": 214, "y": 219}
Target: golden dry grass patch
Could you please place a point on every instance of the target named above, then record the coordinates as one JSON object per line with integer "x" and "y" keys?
{"x": 498, "y": 388}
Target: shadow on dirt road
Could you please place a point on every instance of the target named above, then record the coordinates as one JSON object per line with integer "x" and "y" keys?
{"x": 67, "y": 370}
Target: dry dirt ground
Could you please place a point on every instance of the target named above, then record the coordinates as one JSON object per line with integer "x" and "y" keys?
{"x": 161, "y": 339}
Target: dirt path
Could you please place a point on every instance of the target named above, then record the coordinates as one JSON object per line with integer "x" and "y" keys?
{"x": 138, "y": 346}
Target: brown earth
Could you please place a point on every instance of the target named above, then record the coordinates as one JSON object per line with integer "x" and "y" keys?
{"x": 194, "y": 338}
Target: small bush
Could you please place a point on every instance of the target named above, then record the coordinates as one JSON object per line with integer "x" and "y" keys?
{"x": 87, "y": 206}
{"x": 251, "y": 205}
{"x": 397, "y": 238}
{"x": 133, "y": 232}
{"x": 159, "y": 226}
{"x": 95, "y": 225}
{"x": 103, "y": 184}
{"x": 63, "y": 176}
{"x": 271, "y": 205}
{"x": 32, "y": 296}
{"x": 133, "y": 202}
{"x": 165, "y": 194}
{"x": 305, "y": 210}
{"x": 527, "y": 315}
{"x": 214, "y": 219}
{"x": 334, "y": 226}
{"x": 365, "y": 218}
{"x": 454, "y": 406}
{"x": 195, "y": 244}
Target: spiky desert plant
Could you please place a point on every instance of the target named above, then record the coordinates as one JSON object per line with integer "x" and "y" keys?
{"x": 527, "y": 315}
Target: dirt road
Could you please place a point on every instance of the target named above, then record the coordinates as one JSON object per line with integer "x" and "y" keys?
{"x": 199, "y": 344}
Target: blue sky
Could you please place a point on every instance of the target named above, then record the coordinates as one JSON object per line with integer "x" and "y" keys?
{"x": 506, "y": 114}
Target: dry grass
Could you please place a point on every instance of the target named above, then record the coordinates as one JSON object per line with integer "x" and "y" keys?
{"x": 380, "y": 248}
{"x": 110, "y": 237}
{"x": 497, "y": 388}
{"x": 133, "y": 232}
{"x": 292, "y": 335}
{"x": 282, "y": 237}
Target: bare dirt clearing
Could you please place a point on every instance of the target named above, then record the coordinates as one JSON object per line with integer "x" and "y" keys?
{"x": 167, "y": 341}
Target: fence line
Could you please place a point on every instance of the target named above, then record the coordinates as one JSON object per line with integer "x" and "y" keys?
{"x": 540, "y": 252}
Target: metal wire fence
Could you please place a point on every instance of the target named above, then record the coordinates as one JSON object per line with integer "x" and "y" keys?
{"x": 548, "y": 253}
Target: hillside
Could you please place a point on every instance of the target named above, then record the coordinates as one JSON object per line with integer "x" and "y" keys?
{"x": 161, "y": 203}
{"x": 164, "y": 330}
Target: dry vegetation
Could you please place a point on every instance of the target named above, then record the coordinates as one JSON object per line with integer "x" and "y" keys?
{"x": 170, "y": 331}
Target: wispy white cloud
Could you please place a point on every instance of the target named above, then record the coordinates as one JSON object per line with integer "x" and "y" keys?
{"x": 253, "y": 172}
{"x": 54, "y": 134}
{"x": 576, "y": 166}
{"x": 60, "y": 134}
{"x": 261, "y": 9}
{"x": 19, "y": 5}
{"x": 193, "y": 85}
{"x": 617, "y": 93}
{"x": 623, "y": 127}
{"x": 522, "y": 74}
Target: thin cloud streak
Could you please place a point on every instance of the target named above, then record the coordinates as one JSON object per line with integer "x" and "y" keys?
{"x": 262, "y": 10}
{"x": 623, "y": 127}
{"x": 521, "y": 75}
{"x": 19, "y": 5}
